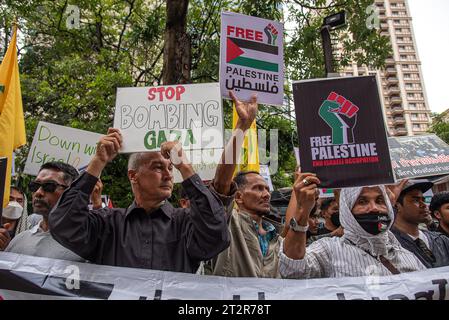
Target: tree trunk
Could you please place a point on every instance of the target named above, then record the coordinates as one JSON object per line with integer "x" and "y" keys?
{"x": 177, "y": 51}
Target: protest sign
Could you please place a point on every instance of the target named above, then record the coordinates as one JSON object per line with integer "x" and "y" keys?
{"x": 30, "y": 278}
{"x": 419, "y": 156}
{"x": 148, "y": 116}
{"x": 252, "y": 58}
{"x": 341, "y": 132}
{"x": 204, "y": 163}
{"x": 52, "y": 142}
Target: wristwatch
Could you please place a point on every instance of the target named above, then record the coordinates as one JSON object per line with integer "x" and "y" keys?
{"x": 296, "y": 227}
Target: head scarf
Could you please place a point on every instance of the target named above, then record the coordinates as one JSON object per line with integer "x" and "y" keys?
{"x": 383, "y": 244}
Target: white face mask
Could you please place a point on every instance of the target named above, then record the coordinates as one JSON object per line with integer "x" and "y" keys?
{"x": 13, "y": 211}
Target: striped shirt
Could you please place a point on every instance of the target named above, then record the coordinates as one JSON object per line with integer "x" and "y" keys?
{"x": 335, "y": 258}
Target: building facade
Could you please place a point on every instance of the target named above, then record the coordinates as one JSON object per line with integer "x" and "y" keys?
{"x": 407, "y": 112}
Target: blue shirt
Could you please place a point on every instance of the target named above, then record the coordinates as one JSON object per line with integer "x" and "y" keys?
{"x": 264, "y": 240}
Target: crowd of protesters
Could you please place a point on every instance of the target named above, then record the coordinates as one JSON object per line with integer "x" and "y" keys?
{"x": 223, "y": 228}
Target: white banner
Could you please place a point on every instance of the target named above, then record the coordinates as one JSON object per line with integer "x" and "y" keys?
{"x": 52, "y": 142}
{"x": 149, "y": 116}
{"x": 26, "y": 277}
{"x": 252, "y": 58}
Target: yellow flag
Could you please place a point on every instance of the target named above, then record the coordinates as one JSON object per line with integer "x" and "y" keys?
{"x": 249, "y": 156}
{"x": 12, "y": 124}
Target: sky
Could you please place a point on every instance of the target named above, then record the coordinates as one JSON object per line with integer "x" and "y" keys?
{"x": 431, "y": 28}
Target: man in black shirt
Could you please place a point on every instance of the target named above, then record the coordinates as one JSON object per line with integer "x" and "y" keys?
{"x": 150, "y": 233}
{"x": 431, "y": 248}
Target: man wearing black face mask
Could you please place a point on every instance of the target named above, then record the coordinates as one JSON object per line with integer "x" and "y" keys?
{"x": 432, "y": 248}
{"x": 331, "y": 215}
{"x": 366, "y": 215}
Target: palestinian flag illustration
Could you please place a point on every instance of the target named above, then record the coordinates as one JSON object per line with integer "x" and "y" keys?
{"x": 254, "y": 54}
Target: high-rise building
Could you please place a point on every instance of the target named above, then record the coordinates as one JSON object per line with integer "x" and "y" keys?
{"x": 407, "y": 111}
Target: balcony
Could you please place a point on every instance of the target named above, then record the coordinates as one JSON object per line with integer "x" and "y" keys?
{"x": 389, "y": 61}
{"x": 394, "y": 90}
{"x": 392, "y": 80}
{"x": 390, "y": 71}
{"x": 399, "y": 120}
{"x": 395, "y": 99}
{"x": 401, "y": 132}
{"x": 384, "y": 26}
{"x": 397, "y": 110}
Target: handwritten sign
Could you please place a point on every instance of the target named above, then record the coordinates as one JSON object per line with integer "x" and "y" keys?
{"x": 204, "y": 163}
{"x": 252, "y": 58}
{"x": 58, "y": 143}
{"x": 191, "y": 114}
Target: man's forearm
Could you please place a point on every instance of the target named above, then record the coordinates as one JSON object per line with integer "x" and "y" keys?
{"x": 226, "y": 167}
{"x": 209, "y": 234}
{"x": 186, "y": 171}
{"x": 70, "y": 221}
{"x": 291, "y": 210}
{"x": 95, "y": 167}
{"x": 295, "y": 242}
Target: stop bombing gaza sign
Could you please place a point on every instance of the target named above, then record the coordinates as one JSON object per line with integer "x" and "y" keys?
{"x": 252, "y": 58}
{"x": 342, "y": 135}
{"x": 148, "y": 116}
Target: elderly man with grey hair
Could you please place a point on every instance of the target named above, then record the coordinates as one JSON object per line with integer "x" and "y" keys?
{"x": 150, "y": 233}
{"x": 367, "y": 246}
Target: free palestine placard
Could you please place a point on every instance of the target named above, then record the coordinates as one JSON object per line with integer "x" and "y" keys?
{"x": 252, "y": 58}
{"x": 342, "y": 133}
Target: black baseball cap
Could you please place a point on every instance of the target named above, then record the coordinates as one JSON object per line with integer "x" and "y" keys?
{"x": 423, "y": 184}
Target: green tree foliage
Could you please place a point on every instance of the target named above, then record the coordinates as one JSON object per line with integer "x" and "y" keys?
{"x": 440, "y": 126}
{"x": 69, "y": 76}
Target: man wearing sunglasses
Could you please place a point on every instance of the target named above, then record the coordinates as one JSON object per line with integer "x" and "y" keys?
{"x": 53, "y": 178}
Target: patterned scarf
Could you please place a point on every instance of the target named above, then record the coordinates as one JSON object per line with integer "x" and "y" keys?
{"x": 385, "y": 244}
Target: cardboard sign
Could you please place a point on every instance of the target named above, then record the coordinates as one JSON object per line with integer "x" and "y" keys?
{"x": 148, "y": 116}
{"x": 342, "y": 133}
{"x": 204, "y": 163}
{"x": 52, "y": 142}
{"x": 419, "y": 156}
{"x": 252, "y": 58}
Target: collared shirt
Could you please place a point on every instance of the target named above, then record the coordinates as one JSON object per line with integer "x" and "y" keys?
{"x": 168, "y": 238}
{"x": 421, "y": 236}
{"x": 40, "y": 243}
{"x": 264, "y": 240}
{"x": 442, "y": 231}
{"x": 437, "y": 243}
{"x": 335, "y": 258}
{"x": 244, "y": 256}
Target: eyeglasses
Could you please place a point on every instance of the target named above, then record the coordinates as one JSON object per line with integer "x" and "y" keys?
{"x": 49, "y": 186}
